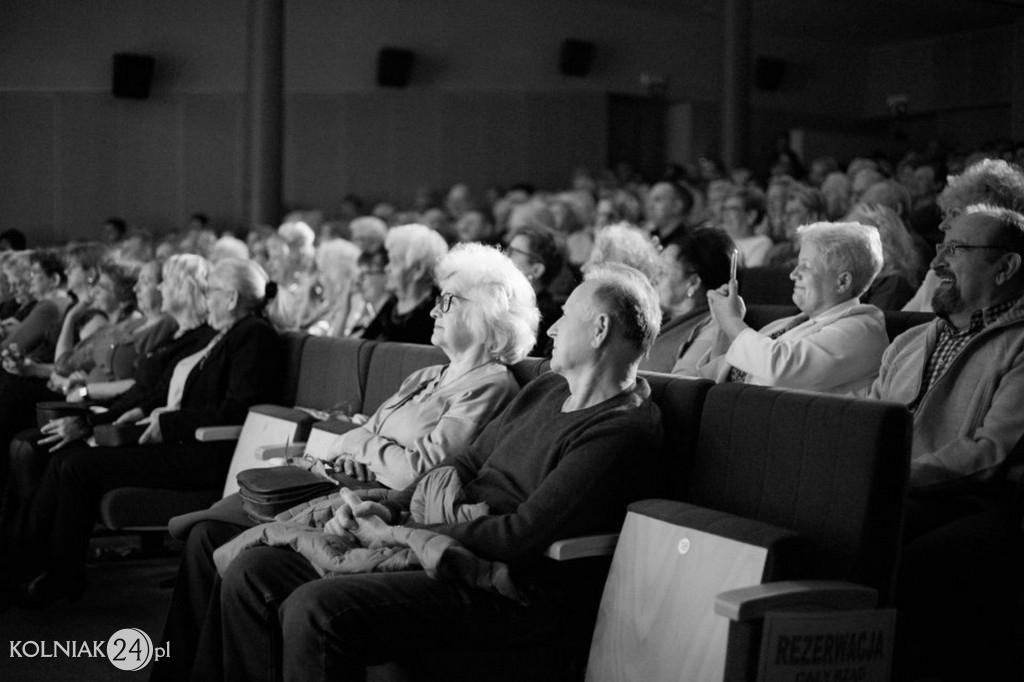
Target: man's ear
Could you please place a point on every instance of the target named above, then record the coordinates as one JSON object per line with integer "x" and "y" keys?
{"x": 537, "y": 271}
{"x": 602, "y": 324}
{"x": 1010, "y": 268}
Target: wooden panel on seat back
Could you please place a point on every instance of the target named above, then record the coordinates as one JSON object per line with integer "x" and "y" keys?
{"x": 390, "y": 364}
{"x": 681, "y": 401}
{"x": 333, "y": 373}
{"x": 832, "y": 469}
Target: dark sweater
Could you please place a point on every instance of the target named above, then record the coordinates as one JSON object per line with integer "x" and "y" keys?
{"x": 549, "y": 475}
{"x": 415, "y": 326}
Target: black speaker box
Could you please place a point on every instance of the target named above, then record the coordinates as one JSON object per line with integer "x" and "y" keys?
{"x": 133, "y": 75}
{"x": 768, "y": 73}
{"x": 394, "y": 67}
{"x": 576, "y": 58}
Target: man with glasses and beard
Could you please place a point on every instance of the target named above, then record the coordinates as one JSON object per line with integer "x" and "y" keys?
{"x": 962, "y": 376}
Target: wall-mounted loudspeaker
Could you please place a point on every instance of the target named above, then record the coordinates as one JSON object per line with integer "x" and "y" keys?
{"x": 768, "y": 73}
{"x": 133, "y": 75}
{"x": 394, "y": 67}
{"x": 576, "y": 58}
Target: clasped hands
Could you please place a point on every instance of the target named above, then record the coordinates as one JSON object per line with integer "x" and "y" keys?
{"x": 365, "y": 519}
{"x": 152, "y": 433}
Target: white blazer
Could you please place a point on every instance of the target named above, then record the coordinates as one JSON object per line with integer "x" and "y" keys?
{"x": 839, "y": 351}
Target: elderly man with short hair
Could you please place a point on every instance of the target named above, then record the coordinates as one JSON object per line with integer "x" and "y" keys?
{"x": 962, "y": 376}
{"x": 565, "y": 458}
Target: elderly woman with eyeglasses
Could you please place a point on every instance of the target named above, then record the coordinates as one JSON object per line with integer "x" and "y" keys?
{"x": 834, "y": 345}
{"x": 485, "y": 318}
{"x": 241, "y": 366}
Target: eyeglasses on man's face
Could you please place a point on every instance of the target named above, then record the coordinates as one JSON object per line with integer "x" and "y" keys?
{"x": 951, "y": 248}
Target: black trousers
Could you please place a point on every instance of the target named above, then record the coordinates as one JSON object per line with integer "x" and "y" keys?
{"x": 18, "y": 398}
{"x": 190, "y": 603}
{"x": 279, "y": 620}
{"x": 67, "y": 503}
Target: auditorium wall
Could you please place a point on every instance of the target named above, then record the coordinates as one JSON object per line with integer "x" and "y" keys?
{"x": 486, "y": 103}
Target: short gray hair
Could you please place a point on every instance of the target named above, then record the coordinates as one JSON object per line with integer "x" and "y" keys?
{"x": 338, "y": 254}
{"x": 504, "y": 306}
{"x": 847, "y": 247}
{"x": 422, "y": 245}
{"x": 248, "y": 279}
{"x": 629, "y": 245}
{"x": 628, "y": 297}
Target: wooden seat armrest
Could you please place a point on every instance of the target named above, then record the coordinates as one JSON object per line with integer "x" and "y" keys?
{"x": 265, "y": 452}
{"x": 209, "y": 434}
{"x": 582, "y": 547}
{"x": 751, "y": 603}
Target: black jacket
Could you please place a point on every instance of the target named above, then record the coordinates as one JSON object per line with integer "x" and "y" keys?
{"x": 245, "y": 368}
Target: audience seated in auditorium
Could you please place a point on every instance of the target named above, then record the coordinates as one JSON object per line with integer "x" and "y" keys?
{"x": 291, "y": 259}
{"x": 484, "y": 320}
{"x": 963, "y": 377}
{"x": 990, "y": 181}
{"x": 898, "y": 280}
{"x": 413, "y": 251}
{"x": 834, "y": 345}
{"x": 538, "y": 253}
{"x": 628, "y": 245}
{"x": 742, "y": 212}
{"x": 104, "y": 318}
{"x": 666, "y": 208}
{"x": 804, "y": 205}
{"x": 563, "y": 459}
{"x": 18, "y": 301}
{"x": 695, "y": 263}
{"x": 337, "y": 269}
{"x": 241, "y": 366}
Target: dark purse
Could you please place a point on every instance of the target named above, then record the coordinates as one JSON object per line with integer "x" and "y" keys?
{"x": 266, "y": 492}
{"x": 48, "y": 410}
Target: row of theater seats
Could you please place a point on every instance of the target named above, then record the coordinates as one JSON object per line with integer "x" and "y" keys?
{"x": 818, "y": 481}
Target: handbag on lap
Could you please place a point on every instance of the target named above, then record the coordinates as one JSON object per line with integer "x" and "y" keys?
{"x": 266, "y": 492}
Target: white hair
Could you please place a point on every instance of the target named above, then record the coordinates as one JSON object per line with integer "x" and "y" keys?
{"x": 504, "y": 306}
{"x": 629, "y": 245}
{"x": 229, "y": 247}
{"x": 847, "y": 247}
{"x": 421, "y": 245}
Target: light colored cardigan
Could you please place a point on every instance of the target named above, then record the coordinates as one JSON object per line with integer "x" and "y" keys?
{"x": 421, "y": 425}
{"x": 839, "y": 351}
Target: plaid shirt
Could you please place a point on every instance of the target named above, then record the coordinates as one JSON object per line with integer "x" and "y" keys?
{"x": 953, "y": 340}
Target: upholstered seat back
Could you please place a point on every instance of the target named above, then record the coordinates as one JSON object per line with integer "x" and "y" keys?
{"x": 832, "y": 469}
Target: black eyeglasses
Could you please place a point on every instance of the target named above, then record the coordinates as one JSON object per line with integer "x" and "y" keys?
{"x": 444, "y": 301}
{"x": 953, "y": 247}
{"x": 509, "y": 250}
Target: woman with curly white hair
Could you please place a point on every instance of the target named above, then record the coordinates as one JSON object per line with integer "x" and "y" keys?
{"x": 485, "y": 318}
